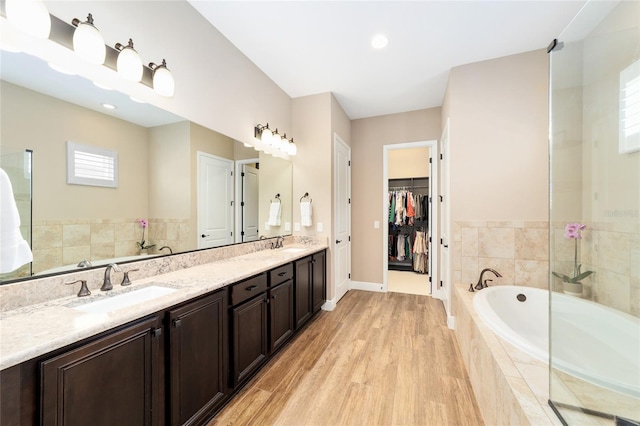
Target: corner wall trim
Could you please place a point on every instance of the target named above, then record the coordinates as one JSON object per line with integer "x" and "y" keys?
{"x": 329, "y": 305}
{"x": 451, "y": 322}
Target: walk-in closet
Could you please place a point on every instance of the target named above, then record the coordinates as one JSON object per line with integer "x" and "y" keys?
{"x": 408, "y": 222}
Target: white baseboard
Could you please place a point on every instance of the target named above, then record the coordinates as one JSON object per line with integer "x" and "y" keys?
{"x": 451, "y": 322}
{"x": 329, "y": 305}
{"x": 360, "y": 285}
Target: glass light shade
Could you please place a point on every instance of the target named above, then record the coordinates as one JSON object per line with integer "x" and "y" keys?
{"x": 266, "y": 136}
{"x": 89, "y": 44}
{"x": 129, "y": 64}
{"x": 275, "y": 139}
{"x": 29, "y": 16}
{"x": 163, "y": 83}
{"x": 292, "y": 149}
{"x": 284, "y": 144}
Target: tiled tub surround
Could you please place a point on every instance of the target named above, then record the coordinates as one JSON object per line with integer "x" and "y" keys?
{"x": 67, "y": 242}
{"x": 519, "y": 250}
{"x": 612, "y": 250}
{"x": 36, "y": 318}
{"x": 511, "y": 387}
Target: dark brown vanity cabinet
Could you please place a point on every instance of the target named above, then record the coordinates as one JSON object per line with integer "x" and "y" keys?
{"x": 198, "y": 359}
{"x": 310, "y": 286}
{"x": 280, "y": 306}
{"x": 114, "y": 380}
{"x": 249, "y": 315}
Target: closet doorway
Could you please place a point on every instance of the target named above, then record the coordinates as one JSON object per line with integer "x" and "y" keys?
{"x": 409, "y": 186}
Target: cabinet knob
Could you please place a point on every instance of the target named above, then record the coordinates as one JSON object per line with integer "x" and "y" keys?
{"x": 177, "y": 322}
{"x": 282, "y": 274}
{"x": 157, "y": 332}
{"x": 251, "y": 287}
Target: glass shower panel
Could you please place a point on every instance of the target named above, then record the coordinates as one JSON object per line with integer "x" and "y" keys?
{"x": 595, "y": 216}
{"x": 18, "y": 166}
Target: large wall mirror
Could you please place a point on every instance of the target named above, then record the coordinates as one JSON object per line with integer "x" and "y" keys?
{"x": 193, "y": 187}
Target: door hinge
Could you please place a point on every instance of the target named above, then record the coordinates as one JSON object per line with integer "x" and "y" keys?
{"x": 232, "y": 173}
{"x": 441, "y": 157}
{"x": 242, "y": 174}
{"x": 349, "y": 237}
{"x": 349, "y": 163}
{"x": 429, "y": 279}
{"x": 242, "y": 204}
{"x": 440, "y": 283}
{"x": 349, "y": 275}
{"x": 232, "y": 233}
{"x": 429, "y": 239}
{"x": 242, "y": 233}
{"x": 441, "y": 198}
{"x": 349, "y": 200}
{"x": 430, "y": 160}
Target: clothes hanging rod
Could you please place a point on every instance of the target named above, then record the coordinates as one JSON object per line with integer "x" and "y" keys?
{"x": 404, "y": 188}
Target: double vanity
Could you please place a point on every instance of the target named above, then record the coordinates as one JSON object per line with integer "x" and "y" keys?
{"x": 171, "y": 348}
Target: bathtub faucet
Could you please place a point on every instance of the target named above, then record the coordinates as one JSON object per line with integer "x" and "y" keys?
{"x": 483, "y": 284}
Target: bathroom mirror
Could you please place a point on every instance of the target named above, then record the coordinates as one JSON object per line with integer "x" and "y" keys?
{"x": 157, "y": 154}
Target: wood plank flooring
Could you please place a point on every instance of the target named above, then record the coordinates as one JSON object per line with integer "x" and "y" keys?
{"x": 377, "y": 359}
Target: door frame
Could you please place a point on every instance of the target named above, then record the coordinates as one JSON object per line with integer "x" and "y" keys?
{"x": 332, "y": 303}
{"x": 238, "y": 195}
{"x": 199, "y": 156}
{"x": 433, "y": 219}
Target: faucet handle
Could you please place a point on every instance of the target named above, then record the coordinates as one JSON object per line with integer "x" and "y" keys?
{"x": 485, "y": 283}
{"x": 84, "y": 291}
{"x": 125, "y": 279}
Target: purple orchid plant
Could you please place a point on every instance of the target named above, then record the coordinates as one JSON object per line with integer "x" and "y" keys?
{"x": 141, "y": 243}
{"x": 573, "y": 232}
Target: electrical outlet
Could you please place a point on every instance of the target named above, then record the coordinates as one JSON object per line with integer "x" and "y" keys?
{"x": 319, "y": 227}
{"x": 267, "y": 226}
{"x": 287, "y": 226}
{"x": 376, "y": 224}
{"x": 296, "y": 226}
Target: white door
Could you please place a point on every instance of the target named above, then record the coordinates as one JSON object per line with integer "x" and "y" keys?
{"x": 342, "y": 223}
{"x": 249, "y": 203}
{"x": 215, "y": 201}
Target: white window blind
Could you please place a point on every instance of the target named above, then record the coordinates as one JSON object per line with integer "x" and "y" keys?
{"x": 89, "y": 165}
{"x": 629, "y": 139}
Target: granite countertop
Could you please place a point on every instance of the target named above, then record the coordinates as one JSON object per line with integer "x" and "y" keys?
{"x": 34, "y": 330}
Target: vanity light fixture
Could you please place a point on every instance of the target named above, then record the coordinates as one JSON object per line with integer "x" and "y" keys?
{"x": 29, "y": 16}
{"x": 88, "y": 42}
{"x": 275, "y": 139}
{"x": 284, "y": 144}
{"x": 129, "y": 63}
{"x": 292, "y": 149}
{"x": 163, "y": 83}
{"x": 263, "y": 133}
{"x": 134, "y": 99}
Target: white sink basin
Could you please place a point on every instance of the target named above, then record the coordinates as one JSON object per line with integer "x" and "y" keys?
{"x": 293, "y": 250}
{"x": 125, "y": 300}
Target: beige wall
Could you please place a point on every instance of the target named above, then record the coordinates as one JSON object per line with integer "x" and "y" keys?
{"x": 498, "y": 113}
{"x": 275, "y": 178}
{"x": 369, "y": 135}
{"x": 408, "y": 163}
{"x": 44, "y": 124}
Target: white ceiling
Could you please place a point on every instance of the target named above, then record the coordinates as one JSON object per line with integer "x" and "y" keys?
{"x": 310, "y": 47}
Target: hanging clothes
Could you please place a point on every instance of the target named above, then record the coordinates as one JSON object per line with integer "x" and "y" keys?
{"x": 421, "y": 253}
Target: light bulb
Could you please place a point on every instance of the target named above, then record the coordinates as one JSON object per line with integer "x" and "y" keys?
{"x": 88, "y": 42}
{"x": 292, "y": 149}
{"x": 129, "y": 63}
{"x": 266, "y": 136}
{"x": 29, "y": 16}
{"x": 163, "y": 83}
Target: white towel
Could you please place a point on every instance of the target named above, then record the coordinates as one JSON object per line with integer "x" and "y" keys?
{"x": 14, "y": 250}
{"x": 305, "y": 213}
{"x": 274, "y": 214}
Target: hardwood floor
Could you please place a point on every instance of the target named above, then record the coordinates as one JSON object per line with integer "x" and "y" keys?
{"x": 377, "y": 359}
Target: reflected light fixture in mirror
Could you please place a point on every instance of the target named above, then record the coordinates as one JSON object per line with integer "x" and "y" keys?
{"x": 129, "y": 63}
{"x": 88, "y": 42}
{"x": 292, "y": 149}
{"x": 163, "y": 83}
{"x": 29, "y": 16}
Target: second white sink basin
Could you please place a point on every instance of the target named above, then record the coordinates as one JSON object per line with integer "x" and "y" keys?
{"x": 124, "y": 300}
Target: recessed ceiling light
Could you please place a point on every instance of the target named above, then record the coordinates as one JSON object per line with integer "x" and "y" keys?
{"x": 379, "y": 41}
{"x": 109, "y": 106}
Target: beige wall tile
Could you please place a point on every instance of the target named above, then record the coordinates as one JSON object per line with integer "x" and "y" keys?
{"x": 532, "y": 273}
{"x": 614, "y": 249}
{"x": 496, "y": 242}
{"x": 602, "y": 290}
{"x": 506, "y": 224}
{"x": 127, "y": 231}
{"x": 75, "y": 254}
{"x": 634, "y": 284}
{"x": 531, "y": 244}
{"x": 47, "y": 236}
{"x": 456, "y": 256}
{"x": 46, "y": 259}
{"x": 469, "y": 238}
{"x": 469, "y": 272}
{"x": 102, "y": 251}
{"x": 76, "y": 235}
{"x": 102, "y": 233}
{"x": 125, "y": 248}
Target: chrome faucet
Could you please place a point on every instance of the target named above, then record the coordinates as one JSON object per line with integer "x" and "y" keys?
{"x": 85, "y": 264}
{"x": 483, "y": 284}
{"x": 166, "y": 247}
{"x": 106, "y": 285}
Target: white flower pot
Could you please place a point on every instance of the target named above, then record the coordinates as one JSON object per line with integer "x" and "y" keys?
{"x": 573, "y": 289}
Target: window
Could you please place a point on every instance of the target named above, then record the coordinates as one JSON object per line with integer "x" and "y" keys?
{"x": 88, "y": 165}
{"x": 629, "y": 140}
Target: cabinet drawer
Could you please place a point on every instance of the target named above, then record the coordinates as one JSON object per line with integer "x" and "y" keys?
{"x": 247, "y": 289}
{"x": 281, "y": 274}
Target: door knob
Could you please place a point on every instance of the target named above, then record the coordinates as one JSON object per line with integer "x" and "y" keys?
{"x": 205, "y": 235}
{"x": 338, "y": 241}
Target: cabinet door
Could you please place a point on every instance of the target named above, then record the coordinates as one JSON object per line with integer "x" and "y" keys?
{"x": 303, "y": 291}
{"x": 111, "y": 381}
{"x": 250, "y": 345}
{"x": 198, "y": 362}
{"x": 319, "y": 280}
{"x": 281, "y": 313}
